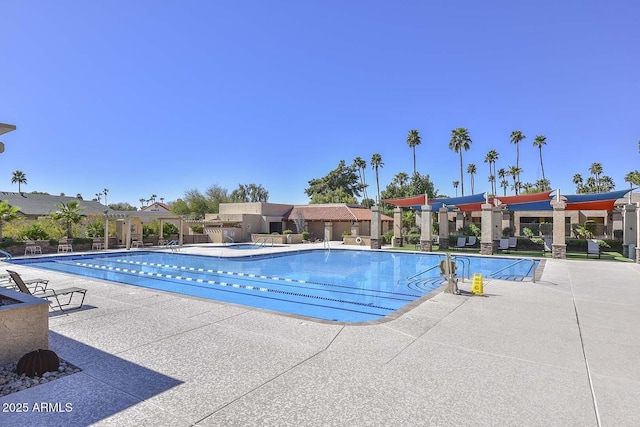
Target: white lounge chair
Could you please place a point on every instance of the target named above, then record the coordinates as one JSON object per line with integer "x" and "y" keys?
{"x": 513, "y": 243}
{"x": 548, "y": 246}
{"x": 462, "y": 243}
{"x": 503, "y": 245}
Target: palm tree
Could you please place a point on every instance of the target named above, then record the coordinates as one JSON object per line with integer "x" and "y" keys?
{"x": 515, "y": 171}
{"x": 504, "y": 184}
{"x": 142, "y": 202}
{"x": 492, "y": 181}
{"x": 502, "y": 174}
{"x": 471, "y": 170}
{"x": 577, "y": 180}
{"x": 413, "y": 140}
{"x": 105, "y": 191}
{"x": 401, "y": 179}
{"x": 361, "y": 164}
{"x": 7, "y": 213}
{"x": 460, "y": 140}
{"x": 376, "y": 164}
{"x": 455, "y": 185}
{"x": 516, "y": 137}
{"x": 596, "y": 170}
{"x": 69, "y": 214}
{"x": 633, "y": 178}
{"x": 98, "y": 196}
{"x": 491, "y": 158}
{"x": 539, "y": 141}
{"x": 20, "y": 178}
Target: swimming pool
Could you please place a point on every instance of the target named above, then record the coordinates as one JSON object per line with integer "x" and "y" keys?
{"x": 336, "y": 285}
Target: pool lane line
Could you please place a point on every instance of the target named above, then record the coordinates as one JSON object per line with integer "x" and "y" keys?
{"x": 260, "y": 276}
{"x": 233, "y": 285}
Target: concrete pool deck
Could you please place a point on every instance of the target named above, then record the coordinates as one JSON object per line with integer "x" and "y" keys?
{"x": 562, "y": 351}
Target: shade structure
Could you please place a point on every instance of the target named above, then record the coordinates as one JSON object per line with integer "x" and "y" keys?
{"x": 522, "y": 202}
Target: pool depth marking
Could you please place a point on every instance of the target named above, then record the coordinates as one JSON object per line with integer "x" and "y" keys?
{"x": 233, "y": 285}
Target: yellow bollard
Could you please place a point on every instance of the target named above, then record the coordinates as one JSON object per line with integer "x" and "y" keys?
{"x": 476, "y": 287}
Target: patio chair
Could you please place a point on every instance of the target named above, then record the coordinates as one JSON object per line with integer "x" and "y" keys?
{"x": 513, "y": 243}
{"x": 593, "y": 247}
{"x": 548, "y": 246}
{"x": 503, "y": 245}
{"x": 471, "y": 242}
{"x": 64, "y": 246}
{"x": 49, "y": 294}
{"x": 32, "y": 248}
{"x": 462, "y": 242}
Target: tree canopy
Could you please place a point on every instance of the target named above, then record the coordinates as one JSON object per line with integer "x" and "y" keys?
{"x": 342, "y": 182}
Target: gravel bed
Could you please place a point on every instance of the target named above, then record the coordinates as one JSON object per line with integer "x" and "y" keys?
{"x": 10, "y": 382}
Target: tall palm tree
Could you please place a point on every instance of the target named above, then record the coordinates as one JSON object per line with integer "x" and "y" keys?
{"x": 516, "y": 137}
{"x": 460, "y": 140}
{"x": 471, "y": 170}
{"x": 361, "y": 164}
{"x": 455, "y": 185}
{"x": 492, "y": 181}
{"x": 105, "y": 192}
{"x": 491, "y": 158}
{"x": 596, "y": 171}
{"x": 20, "y": 178}
{"x": 413, "y": 140}
{"x": 376, "y": 164}
{"x": 539, "y": 141}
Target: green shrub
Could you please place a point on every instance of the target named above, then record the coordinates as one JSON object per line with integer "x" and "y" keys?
{"x": 36, "y": 232}
{"x": 305, "y": 235}
{"x": 287, "y": 232}
{"x": 507, "y": 232}
{"x": 388, "y": 237}
{"x": 197, "y": 228}
{"x": 346, "y": 233}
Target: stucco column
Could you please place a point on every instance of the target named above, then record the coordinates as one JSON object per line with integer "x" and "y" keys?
{"x": 487, "y": 229}
{"x": 559, "y": 247}
{"x": 328, "y": 231}
{"x": 628, "y": 233}
{"x": 443, "y": 222}
{"x": 355, "y": 228}
{"x": 127, "y": 233}
{"x": 459, "y": 220}
{"x": 397, "y": 227}
{"x": 376, "y": 228}
{"x": 106, "y": 232}
{"x": 426, "y": 227}
{"x": 638, "y": 234}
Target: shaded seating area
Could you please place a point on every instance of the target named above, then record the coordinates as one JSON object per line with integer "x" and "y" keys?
{"x": 52, "y": 295}
{"x": 593, "y": 247}
{"x": 503, "y": 245}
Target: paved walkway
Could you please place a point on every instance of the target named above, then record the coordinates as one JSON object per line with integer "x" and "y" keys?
{"x": 560, "y": 352}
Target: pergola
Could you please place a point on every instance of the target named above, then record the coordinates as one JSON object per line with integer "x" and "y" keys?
{"x": 127, "y": 218}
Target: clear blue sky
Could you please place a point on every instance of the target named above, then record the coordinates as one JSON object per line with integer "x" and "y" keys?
{"x": 159, "y": 97}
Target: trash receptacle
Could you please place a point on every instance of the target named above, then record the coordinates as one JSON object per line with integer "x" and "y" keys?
{"x": 632, "y": 251}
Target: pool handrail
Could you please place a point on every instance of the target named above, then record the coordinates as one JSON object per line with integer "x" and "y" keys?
{"x": 411, "y": 278}
{"x": 262, "y": 241}
{"x": 518, "y": 261}
{"x": 6, "y": 254}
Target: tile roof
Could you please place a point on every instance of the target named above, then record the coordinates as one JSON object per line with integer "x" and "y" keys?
{"x": 333, "y": 212}
{"x": 45, "y": 204}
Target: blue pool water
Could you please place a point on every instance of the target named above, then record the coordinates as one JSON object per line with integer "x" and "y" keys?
{"x": 336, "y": 285}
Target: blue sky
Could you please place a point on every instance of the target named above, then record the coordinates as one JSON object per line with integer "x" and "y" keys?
{"x": 160, "y": 97}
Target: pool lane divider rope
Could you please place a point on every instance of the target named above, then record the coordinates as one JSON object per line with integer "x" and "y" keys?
{"x": 261, "y": 276}
{"x": 227, "y": 284}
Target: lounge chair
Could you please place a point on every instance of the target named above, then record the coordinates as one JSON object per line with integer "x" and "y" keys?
{"x": 52, "y": 295}
{"x": 64, "y": 246}
{"x": 503, "y": 245}
{"x": 513, "y": 243}
{"x": 472, "y": 241}
{"x": 548, "y": 246}
{"x": 593, "y": 247}
{"x": 462, "y": 242}
{"x": 34, "y": 285}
